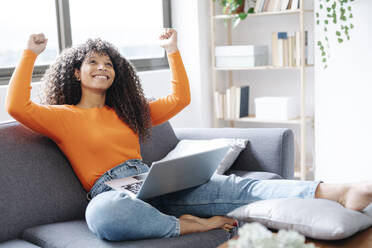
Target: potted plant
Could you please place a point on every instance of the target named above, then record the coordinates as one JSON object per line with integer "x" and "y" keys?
{"x": 235, "y": 8}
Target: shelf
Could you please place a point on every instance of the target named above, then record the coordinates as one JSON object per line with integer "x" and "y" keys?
{"x": 266, "y": 67}
{"x": 252, "y": 119}
{"x": 287, "y": 12}
{"x": 301, "y": 71}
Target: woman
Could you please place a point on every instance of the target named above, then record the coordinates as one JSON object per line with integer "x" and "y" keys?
{"x": 95, "y": 111}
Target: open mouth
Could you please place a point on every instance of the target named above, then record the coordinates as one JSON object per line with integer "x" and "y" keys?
{"x": 102, "y": 77}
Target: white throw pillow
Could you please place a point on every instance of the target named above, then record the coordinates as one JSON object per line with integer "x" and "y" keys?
{"x": 188, "y": 147}
{"x": 314, "y": 218}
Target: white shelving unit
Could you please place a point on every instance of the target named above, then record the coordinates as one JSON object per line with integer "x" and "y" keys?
{"x": 303, "y": 120}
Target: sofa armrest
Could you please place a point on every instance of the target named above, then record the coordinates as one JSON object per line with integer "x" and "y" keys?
{"x": 268, "y": 149}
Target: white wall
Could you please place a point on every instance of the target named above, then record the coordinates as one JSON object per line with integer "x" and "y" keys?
{"x": 343, "y": 104}
{"x": 191, "y": 20}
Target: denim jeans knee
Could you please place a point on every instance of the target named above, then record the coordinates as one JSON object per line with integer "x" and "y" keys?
{"x": 115, "y": 216}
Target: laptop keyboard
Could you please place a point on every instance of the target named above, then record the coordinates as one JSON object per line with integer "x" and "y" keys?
{"x": 134, "y": 187}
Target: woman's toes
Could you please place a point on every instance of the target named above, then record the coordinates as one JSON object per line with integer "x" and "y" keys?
{"x": 227, "y": 227}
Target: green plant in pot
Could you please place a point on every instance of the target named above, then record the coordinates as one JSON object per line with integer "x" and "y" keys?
{"x": 235, "y": 8}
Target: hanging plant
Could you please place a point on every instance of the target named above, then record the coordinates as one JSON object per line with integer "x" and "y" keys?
{"x": 339, "y": 14}
{"x": 236, "y": 8}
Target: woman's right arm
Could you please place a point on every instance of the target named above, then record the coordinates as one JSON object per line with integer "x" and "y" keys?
{"x": 44, "y": 119}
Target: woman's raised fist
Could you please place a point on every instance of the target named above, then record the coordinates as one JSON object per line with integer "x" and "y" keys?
{"x": 37, "y": 43}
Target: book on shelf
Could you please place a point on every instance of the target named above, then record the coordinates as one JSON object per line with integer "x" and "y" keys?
{"x": 284, "y": 5}
{"x": 234, "y": 104}
{"x": 219, "y": 104}
{"x": 271, "y": 5}
{"x": 282, "y": 44}
{"x": 295, "y": 4}
{"x": 266, "y": 6}
{"x": 278, "y": 5}
{"x": 297, "y": 49}
{"x": 289, "y": 7}
{"x": 286, "y": 49}
{"x": 243, "y": 101}
{"x": 275, "y": 5}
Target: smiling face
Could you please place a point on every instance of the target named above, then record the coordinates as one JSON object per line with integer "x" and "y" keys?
{"x": 96, "y": 72}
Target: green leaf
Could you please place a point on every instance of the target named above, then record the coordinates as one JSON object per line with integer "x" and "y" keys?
{"x": 317, "y": 22}
{"x": 351, "y": 25}
{"x": 338, "y": 33}
{"x": 323, "y": 53}
{"x": 317, "y": 14}
{"x": 340, "y": 40}
{"x": 329, "y": 9}
{"x": 324, "y": 60}
{"x": 319, "y": 43}
{"x": 321, "y": 6}
{"x": 243, "y": 15}
{"x": 326, "y": 21}
{"x": 351, "y": 15}
{"x": 250, "y": 10}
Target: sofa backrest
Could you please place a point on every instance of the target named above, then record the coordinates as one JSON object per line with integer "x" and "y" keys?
{"x": 38, "y": 185}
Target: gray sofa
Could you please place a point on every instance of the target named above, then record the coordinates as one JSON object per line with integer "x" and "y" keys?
{"x": 42, "y": 203}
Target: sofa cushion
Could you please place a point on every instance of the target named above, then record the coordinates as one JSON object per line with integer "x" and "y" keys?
{"x": 74, "y": 234}
{"x": 162, "y": 141}
{"x": 17, "y": 243}
{"x": 269, "y": 149}
{"x": 38, "y": 185}
{"x": 187, "y": 147}
{"x": 314, "y": 218}
{"x": 254, "y": 174}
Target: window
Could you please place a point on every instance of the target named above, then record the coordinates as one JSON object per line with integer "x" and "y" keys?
{"x": 124, "y": 23}
{"x": 132, "y": 26}
{"x": 17, "y": 22}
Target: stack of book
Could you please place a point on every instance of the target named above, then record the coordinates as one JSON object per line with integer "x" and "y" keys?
{"x": 232, "y": 105}
{"x": 275, "y": 5}
{"x": 286, "y": 48}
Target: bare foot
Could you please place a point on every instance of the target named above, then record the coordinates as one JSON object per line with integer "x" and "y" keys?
{"x": 190, "y": 223}
{"x": 357, "y": 196}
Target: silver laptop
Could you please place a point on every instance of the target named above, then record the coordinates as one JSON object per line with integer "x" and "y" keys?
{"x": 171, "y": 175}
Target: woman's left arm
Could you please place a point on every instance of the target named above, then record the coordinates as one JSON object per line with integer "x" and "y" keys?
{"x": 166, "y": 107}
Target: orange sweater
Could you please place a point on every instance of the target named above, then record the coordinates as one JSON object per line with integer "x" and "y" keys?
{"x": 94, "y": 140}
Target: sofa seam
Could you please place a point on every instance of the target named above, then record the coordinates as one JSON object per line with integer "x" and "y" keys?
{"x": 37, "y": 239}
{"x": 281, "y": 155}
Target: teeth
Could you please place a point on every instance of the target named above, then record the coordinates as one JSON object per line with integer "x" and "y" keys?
{"x": 100, "y": 77}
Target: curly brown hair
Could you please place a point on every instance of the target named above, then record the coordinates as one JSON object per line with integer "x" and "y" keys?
{"x": 125, "y": 95}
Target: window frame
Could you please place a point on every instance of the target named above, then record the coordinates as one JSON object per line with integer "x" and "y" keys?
{"x": 65, "y": 41}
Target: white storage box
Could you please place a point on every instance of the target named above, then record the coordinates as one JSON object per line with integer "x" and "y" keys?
{"x": 241, "y": 56}
{"x": 276, "y": 108}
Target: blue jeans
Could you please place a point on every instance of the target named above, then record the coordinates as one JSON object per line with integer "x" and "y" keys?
{"x": 115, "y": 216}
